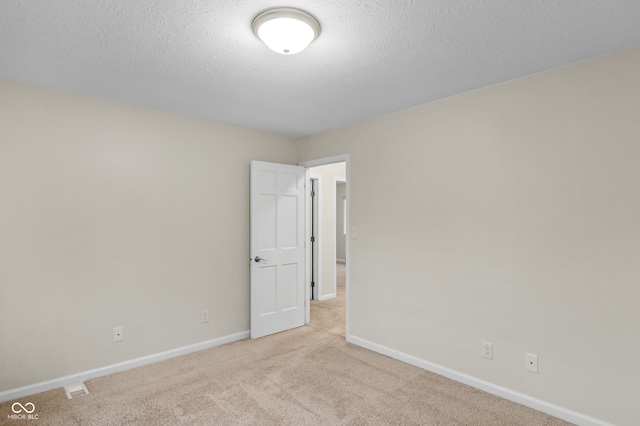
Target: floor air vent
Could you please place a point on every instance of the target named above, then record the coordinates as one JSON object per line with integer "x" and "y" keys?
{"x": 76, "y": 390}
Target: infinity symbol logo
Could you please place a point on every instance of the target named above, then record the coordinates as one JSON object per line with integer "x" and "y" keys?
{"x": 23, "y": 407}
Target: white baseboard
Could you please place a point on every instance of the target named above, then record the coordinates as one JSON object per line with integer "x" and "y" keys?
{"x": 327, "y": 296}
{"x": 115, "y": 368}
{"x": 520, "y": 398}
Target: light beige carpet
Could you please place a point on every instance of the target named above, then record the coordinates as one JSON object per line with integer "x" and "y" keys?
{"x": 330, "y": 315}
{"x": 306, "y": 376}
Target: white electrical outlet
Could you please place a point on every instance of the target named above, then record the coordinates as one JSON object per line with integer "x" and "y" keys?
{"x": 118, "y": 334}
{"x": 531, "y": 362}
{"x": 487, "y": 350}
{"x": 204, "y": 315}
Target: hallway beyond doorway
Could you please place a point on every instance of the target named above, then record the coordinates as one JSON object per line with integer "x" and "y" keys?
{"x": 330, "y": 314}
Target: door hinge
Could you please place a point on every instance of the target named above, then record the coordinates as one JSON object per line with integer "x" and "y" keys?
{"x": 313, "y": 284}
{"x": 313, "y": 239}
{"x": 313, "y": 194}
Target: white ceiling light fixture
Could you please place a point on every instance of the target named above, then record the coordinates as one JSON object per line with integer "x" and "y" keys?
{"x": 285, "y": 30}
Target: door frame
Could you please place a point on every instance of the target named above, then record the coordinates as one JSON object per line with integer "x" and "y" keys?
{"x": 346, "y": 158}
{"x": 315, "y": 231}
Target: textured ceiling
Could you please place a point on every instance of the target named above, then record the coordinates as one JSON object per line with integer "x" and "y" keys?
{"x": 373, "y": 57}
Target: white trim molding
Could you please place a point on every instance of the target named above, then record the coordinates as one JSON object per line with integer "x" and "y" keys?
{"x": 328, "y": 296}
{"x": 60, "y": 382}
{"x": 520, "y": 398}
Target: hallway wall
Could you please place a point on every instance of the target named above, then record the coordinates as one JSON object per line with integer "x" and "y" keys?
{"x": 327, "y": 175}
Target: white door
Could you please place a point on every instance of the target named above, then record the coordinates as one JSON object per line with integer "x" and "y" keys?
{"x": 277, "y": 248}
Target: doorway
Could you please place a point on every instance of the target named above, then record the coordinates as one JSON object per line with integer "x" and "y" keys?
{"x": 328, "y": 251}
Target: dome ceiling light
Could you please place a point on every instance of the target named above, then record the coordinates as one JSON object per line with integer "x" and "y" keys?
{"x": 285, "y": 30}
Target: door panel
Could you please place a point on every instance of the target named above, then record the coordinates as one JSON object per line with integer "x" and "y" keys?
{"x": 277, "y": 248}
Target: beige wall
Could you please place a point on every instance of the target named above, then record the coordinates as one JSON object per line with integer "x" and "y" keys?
{"x": 327, "y": 176}
{"x": 115, "y": 215}
{"x": 520, "y": 226}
